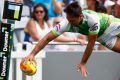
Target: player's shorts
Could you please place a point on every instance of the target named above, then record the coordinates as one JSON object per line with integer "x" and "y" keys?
{"x": 110, "y": 35}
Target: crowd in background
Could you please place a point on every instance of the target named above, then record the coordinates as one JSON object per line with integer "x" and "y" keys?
{"x": 45, "y": 14}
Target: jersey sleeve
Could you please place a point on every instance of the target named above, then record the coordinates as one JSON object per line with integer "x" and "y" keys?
{"x": 93, "y": 22}
{"x": 61, "y": 28}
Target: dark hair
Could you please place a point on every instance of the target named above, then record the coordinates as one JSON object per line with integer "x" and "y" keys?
{"x": 44, "y": 8}
{"x": 73, "y": 9}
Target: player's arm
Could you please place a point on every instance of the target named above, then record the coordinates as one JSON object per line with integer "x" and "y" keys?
{"x": 42, "y": 43}
{"x": 93, "y": 22}
{"x": 86, "y": 55}
{"x": 89, "y": 48}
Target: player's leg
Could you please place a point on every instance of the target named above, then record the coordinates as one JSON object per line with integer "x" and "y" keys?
{"x": 116, "y": 47}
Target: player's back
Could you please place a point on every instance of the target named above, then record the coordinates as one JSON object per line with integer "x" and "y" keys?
{"x": 102, "y": 18}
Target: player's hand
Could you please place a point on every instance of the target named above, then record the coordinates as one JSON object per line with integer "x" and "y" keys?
{"x": 29, "y": 58}
{"x": 83, "y": 69}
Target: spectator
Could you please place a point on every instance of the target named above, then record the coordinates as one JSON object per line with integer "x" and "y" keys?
{"x": 95, "y": 6}
{"x": 91, "y": 4}
{"x": 117, "y": 8}
{"x": 54, "y": 8}
{"x": 109, "y": 6}
{"x": 37, "y": 27}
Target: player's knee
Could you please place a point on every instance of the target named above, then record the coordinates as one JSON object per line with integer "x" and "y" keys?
{"x": 116, "y": 50}
{"x": 119, "y": 51}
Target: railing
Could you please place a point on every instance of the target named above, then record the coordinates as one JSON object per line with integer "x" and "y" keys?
{"x": 67, "y": 46}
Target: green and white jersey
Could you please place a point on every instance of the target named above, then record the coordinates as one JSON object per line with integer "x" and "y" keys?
{"x": 92, "y": 24}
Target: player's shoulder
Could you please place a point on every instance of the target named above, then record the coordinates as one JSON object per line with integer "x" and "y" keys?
{"x": 64, "y": 21}
{"x": 89, "y": 12}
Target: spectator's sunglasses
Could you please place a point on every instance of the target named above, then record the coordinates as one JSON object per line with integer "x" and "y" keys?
{"x": 39, "y": 11}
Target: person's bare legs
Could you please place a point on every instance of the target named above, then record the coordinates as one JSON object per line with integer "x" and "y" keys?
{"x": 116, "y": 48}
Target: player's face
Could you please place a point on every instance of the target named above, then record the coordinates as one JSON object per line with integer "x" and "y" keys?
{"x": 74, "y": 20}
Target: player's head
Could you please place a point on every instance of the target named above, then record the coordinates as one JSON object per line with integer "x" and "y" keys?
{"x": 74, "y": 13}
